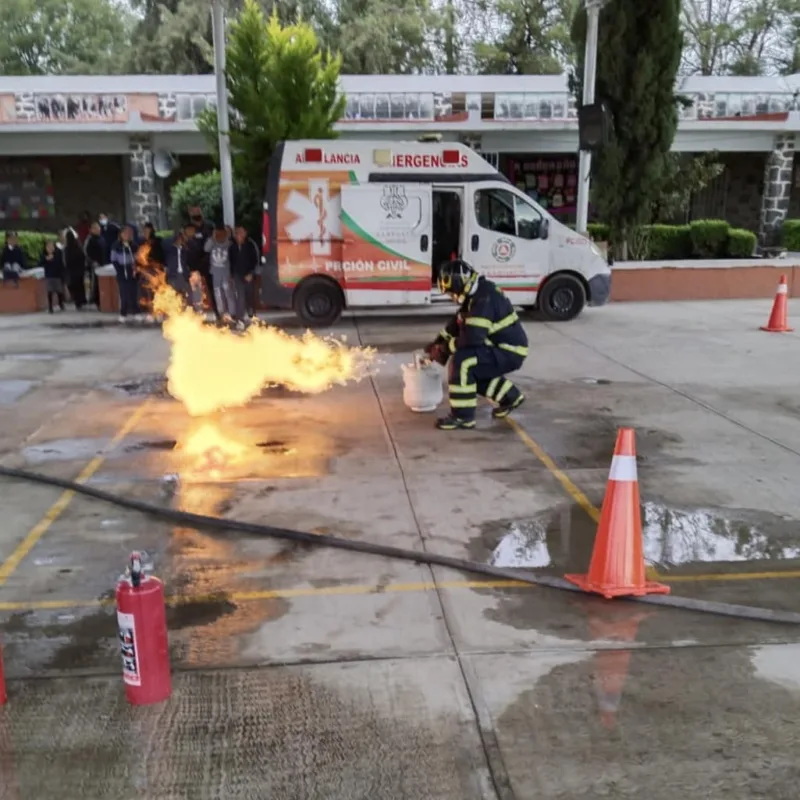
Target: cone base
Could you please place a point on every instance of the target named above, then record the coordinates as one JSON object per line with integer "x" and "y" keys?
{"x": 776, "y": 330}
{"x": 608, "y": 591}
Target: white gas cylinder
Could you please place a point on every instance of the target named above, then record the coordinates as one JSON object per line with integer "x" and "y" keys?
{"x": 422, "y": 384}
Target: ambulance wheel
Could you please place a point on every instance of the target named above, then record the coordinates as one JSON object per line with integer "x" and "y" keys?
{"x": 318, "y": 302}
{"x": 562, "y": 298}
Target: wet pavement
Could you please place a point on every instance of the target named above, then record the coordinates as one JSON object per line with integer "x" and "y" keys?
{"x": 315, "y": 673}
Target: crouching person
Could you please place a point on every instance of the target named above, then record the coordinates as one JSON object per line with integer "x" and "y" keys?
{"x": 484, "y": 342}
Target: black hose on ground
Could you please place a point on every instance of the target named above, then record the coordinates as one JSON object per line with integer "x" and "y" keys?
{"x": 202, "y": 521}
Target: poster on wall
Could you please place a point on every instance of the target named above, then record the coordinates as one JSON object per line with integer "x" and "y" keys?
{"x": 26, "y": 192}
{"x": 552, "y": 181}
{"x": 81, "y": 107}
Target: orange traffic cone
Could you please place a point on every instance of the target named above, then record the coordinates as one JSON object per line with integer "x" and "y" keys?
{"x": 617, "y": 565}
{"x": 778, "y": 319}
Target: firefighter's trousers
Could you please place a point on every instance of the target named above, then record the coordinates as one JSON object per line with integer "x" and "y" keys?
{"x": 481, "y": 371}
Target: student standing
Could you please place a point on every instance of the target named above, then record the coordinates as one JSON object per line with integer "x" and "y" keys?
{"x": 123, "y": 257}
{"x": 244, "y": 259}
{"x": 53, "y": 263}
{"x": 219, "y": 266}
{"x": 75, "y": 266}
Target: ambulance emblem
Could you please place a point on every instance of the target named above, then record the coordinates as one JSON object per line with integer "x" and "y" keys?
{"x": 394, "y": 201}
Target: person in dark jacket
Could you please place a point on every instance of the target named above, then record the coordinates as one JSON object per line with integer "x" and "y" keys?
{"x": 198, "y": 257}
{"x": 75, "y": 267}
{"x": 150, "y": 259}
{"x": 486, "y": 341}
{"x": 52, "y": 261}
{"x": 123, "y": 257}
{"x": 109, "y": 231}
{"x": 97, "y": 255}
{"x": 244, "y": 259}
{"x": 179, "y": 274}
{"x": 12, "y": 259}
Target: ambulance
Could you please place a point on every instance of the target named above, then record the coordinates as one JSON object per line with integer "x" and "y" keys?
{"x": 354, "y": 224}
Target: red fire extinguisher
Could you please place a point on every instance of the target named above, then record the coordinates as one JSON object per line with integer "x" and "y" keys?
{"x": 142, "y": 623}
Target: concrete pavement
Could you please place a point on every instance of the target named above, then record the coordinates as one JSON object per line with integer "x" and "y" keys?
{"x": 316, "y": 673}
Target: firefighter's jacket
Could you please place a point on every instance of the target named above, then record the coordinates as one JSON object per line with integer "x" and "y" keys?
{"x": 486, "y": 319}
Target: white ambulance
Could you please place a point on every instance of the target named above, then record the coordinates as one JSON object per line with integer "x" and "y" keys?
{"x": 349, "y": 224}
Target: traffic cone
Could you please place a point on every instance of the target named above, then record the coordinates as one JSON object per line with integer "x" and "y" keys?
{"x": 617, "y": 566}
{"x": 778, "y": 319}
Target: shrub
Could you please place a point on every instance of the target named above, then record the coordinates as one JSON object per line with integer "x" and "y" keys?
{"x": 598, "y": 231}
{"x": 669, "y": 242}
{"x": 741, "y": 243}
{"x": 790, "y": 235}
{"x": 205, "y": 190}
{"x": 32, "y": 244}
{"x": 709, "y": 238}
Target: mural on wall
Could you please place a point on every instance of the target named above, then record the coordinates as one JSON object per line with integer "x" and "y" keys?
{"x": 552, "y": 181}
{"x": 72, "y": 107}
{"x": 26, "y": 192}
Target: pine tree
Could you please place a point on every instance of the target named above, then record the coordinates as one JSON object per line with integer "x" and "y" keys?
{"x": 639, "y": 53}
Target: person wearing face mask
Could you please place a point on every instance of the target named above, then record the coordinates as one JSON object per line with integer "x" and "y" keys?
{"x": 484, "y": 341}
{"x": 108, "y": 230}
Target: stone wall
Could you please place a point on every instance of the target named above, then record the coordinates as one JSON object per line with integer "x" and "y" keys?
{"x": 143, "y": 196}
{"x": 777, "y": 189}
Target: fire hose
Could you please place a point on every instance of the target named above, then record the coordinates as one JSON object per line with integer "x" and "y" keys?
{"x": 221, "y": 524}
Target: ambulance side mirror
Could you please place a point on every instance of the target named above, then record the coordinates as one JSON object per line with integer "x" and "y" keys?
{"x": 544, "y": 229}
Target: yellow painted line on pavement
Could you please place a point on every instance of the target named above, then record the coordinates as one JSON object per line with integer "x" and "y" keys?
{"x": 272, "y": 594}
{"x": 57, "y": 509}
{"x": 583, "y": 501}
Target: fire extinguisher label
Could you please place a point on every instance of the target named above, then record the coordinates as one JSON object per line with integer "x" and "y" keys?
{"x": 127, "y": 644}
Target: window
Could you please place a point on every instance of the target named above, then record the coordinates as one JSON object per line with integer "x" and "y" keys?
{"x": 503, "y": 212}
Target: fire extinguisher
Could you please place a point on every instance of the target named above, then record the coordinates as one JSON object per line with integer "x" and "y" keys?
{"x": 142, "y": 623}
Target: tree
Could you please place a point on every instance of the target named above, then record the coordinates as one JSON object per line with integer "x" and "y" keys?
{"x": 174, "y": 36}
{"x": 639, "y": 52}
{"x": 40, "y": 37}
{"x": 385, "y": 37}
{"x": 532, "y": 38}
{"x": 740, "y": 37}
{"x": 280, "y": 86}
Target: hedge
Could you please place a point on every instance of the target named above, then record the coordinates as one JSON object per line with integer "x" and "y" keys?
{"x": 790, "y": 235}
{"x": 700, "y": 239}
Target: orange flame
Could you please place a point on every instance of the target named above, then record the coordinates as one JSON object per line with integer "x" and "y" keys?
{"x": 212, "y": 369}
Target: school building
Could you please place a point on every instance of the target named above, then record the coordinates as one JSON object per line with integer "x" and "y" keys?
{"x": 70, "y": 144}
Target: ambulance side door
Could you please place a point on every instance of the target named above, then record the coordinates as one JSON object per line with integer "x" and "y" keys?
{"x": 387, "y": 243}
{"x": 507, "y": 240}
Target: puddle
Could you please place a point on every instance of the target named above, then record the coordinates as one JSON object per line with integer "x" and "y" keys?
{"x": 778, "y": 664}
{"x": 32, "y": 356}
{"x": 159, "y": 444}
{"x": 12, "y": 390}
{"x": 64, "y": 450}
{"x": 596, "y": 381}
{"x": 206, "y": 612}
{"x": 674, "y": 536}
{"x": 149, "y": 386}
{"x": 562, "y": 539}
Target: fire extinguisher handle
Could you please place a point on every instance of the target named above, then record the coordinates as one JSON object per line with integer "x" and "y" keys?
{"x": 136, "y": 569}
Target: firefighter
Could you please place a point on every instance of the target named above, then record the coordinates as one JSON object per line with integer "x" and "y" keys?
{"x": 484, "y": 341}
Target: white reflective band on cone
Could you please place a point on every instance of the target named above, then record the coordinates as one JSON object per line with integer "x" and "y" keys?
{"x": 783, "y": 289}
{"x": 623, "y": 468}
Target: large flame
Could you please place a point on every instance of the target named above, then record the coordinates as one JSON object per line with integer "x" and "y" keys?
{"x": 216, "y": 368}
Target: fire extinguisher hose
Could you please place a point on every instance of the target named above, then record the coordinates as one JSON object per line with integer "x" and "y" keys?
{"x": 222, "y": 525}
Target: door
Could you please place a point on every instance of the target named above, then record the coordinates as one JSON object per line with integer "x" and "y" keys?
{"x": 386, "y": 244}
{"x": 504, "y": 240}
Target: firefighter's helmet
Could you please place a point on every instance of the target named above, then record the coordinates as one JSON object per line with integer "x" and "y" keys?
{"x": 457, "y": 278}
